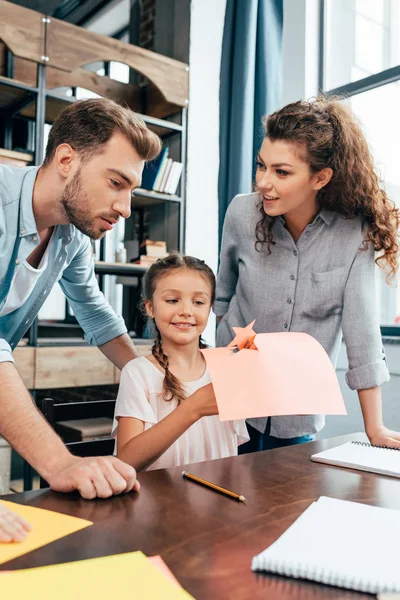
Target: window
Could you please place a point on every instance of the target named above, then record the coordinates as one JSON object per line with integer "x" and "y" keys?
{"x": 362, "y": 39}
{"x": 361, "y": 59}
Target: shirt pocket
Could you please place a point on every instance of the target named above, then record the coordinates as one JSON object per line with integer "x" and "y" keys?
{"x": 326, "y": 293}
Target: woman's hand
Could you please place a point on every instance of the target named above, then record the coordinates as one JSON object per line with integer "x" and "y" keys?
{"x": 382, "y": 436}
{"x": 204, "y": 402}
{"x": 13, "y": 528}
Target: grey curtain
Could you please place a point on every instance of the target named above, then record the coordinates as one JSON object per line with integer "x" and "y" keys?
{"x": 250, "y": 87}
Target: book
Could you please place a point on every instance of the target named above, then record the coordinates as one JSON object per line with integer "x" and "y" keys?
{"x": 152, "y": 169}
{"x": 158, "y": 249}
{"x": 340, "y": 543}
{"x": 362, "y": 456}
{"x": 163, "y": 182}
{"x": 161, "y": 171}
{"x": 174, "y": 178}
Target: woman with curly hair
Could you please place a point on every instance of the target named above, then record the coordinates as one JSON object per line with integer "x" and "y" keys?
{"x": 299, "y": 255}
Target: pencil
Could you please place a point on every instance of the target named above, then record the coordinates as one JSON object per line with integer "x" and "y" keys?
{"x": 213, "y": 486}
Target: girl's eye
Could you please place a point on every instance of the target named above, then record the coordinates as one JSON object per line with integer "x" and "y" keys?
{"x": 282, "y": 172}
{"x": 199, "y": 302}
{"x": 172, "y": 301}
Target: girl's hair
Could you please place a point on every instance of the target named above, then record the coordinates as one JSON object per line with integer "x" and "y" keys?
{"x": 331, "y": 137}
{"x": 172, "y": 387}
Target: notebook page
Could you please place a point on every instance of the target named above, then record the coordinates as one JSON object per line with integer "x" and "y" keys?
{"x": 366, "y": 458}
{"x": 340, "y": 543}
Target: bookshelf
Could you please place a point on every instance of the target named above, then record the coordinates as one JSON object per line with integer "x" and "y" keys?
{"x": 42, "y": 62}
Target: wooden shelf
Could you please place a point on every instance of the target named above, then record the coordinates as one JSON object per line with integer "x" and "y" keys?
{"x": 44, "y": 366}
{"x": 15, "y": 94}
{"x": 127, "y": 269}
{"x": 142, "y": 198}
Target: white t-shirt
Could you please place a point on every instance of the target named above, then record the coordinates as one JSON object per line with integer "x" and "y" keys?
{"x": 139, "y": 396}
{"x": 24, "y": 281}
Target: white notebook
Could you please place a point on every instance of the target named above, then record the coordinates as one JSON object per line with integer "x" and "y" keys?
{"x": 362, "y": 456}
{"x": 340, "y": 543}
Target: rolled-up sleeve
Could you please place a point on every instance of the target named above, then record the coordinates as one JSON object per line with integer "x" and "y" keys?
{"x": 94, "y": 314}
{"x": 228, "y": 269}
{"x": 360, "y": 324}
{"x": 5, "y": 352}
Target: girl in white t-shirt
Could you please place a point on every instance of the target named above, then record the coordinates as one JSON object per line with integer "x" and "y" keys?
{"x": 166, "y": 414}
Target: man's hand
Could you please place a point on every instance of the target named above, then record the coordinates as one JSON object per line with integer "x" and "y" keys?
{"x": 13, "y": 528}
{"x": 100, "y": 476}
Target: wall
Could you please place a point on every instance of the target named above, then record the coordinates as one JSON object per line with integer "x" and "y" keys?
{"x": 206, "y": 30}
{"x": 300, "y": 49}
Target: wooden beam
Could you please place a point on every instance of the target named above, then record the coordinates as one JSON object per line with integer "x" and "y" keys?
{"x": 22, "y": 30}
{"x": 123, "y": 93}
{"x": 70, "y": 47}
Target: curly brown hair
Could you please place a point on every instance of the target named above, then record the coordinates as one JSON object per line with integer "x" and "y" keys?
{"x": 332, "y": 137}
{"x": 172, "y": 387}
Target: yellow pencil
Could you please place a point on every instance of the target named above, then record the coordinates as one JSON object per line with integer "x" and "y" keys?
{"x": 217, "y": 488}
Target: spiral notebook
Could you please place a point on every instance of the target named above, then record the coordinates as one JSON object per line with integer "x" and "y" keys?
{"x": 340, "y": 543}
{"x": 362, "y": 456}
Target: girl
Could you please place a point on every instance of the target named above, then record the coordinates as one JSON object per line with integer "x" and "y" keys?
{"x": 299, "y": 255}
{"x": 163, "y": 398}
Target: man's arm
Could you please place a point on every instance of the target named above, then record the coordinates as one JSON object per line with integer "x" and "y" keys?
{"x": 28, "y": 432}
{"x": 120, "y": 350}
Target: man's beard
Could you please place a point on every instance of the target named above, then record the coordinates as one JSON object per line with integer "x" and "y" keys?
{"x": 75, "y": 203}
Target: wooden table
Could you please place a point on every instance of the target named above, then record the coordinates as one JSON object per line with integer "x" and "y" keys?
{"x": 206, "y": 539}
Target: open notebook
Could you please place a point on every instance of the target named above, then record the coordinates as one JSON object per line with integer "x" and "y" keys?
{"x": 362, "y": 456}
{"x": 340, "y": 543}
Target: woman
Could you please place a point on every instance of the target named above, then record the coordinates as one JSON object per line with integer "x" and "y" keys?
{"x": 299, "y": 255}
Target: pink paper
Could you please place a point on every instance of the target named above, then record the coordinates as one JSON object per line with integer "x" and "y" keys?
{"x": 159, "y": 564}
{"x": 287, "y": 374}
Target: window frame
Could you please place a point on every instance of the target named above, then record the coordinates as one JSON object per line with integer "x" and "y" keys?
{"x": 353, "y": 88}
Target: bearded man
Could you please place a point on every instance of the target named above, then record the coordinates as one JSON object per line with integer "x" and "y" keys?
{"x": 94, "y": 160}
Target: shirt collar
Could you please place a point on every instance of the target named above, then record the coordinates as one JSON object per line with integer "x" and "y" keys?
{"x": 327, "y": 216}
{"x": 27, "y": 223}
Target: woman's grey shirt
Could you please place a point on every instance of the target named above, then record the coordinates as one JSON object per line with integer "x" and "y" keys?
{"x": 323, "y": 285}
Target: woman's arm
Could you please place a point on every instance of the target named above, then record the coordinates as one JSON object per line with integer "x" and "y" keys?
{"x": 141, "y": 448}
{"x": 362, "y": 336}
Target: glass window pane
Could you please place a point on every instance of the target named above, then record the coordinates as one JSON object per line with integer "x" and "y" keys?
{"x": 119, "y": 71}
{"x": 369, "y": 45}
{"x": 372, "y": 9}
{"x": 361, "y": 39}
{"x": 383, "y": 135}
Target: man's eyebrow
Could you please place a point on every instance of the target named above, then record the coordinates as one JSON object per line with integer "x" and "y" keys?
{"x": 121, "y": 174}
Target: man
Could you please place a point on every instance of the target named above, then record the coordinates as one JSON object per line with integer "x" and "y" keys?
{"x": 94, "y": 160}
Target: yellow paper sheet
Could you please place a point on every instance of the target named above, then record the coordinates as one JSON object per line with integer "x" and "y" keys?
{"x": 285, "y": 374}
{"x": 47, "y": 526}
{"x": 119, "y": 576}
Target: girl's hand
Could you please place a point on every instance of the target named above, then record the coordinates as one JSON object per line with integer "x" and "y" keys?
{"x": 382, "y": 436}
{"x": 203, "y": 401}
{"x": 13, "y": 528}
